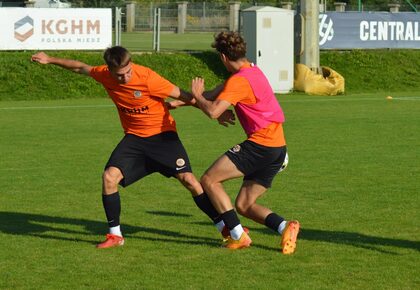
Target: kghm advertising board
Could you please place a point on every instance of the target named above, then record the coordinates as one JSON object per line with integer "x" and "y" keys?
{"x": 51, "y": 29}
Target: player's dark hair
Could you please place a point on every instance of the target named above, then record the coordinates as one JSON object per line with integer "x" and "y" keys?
{"x": 230, "y": 44}
{"x": 117, "y": 57}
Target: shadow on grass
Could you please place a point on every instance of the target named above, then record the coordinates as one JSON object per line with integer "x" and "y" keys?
{"x": 168, "y": 213}
{"x": 358, "y": 240}
{"x": 345, "y": 238}
{"x": 83, "y": 230}
{"x": 79, "y": 230}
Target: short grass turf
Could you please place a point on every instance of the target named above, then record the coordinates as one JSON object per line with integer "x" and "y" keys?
{"x": 352, "y": 181}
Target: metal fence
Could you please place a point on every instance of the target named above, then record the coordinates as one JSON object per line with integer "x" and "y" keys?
{"x": 209, "y": 16}
{"x": 200, "y": 16}
{"x": 404, "y": 7}
{"x": 205, "y": 16}
{"x": 144, "y": 16}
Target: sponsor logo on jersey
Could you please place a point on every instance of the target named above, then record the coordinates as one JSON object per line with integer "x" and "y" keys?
{"x": 137, "y": 94}
{"x": 134, "y": 111}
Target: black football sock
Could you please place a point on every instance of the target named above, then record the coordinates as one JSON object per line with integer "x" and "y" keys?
{"x": 230, "y": 218}
{"x": 112, "y": 206}
{"x": 273, "y": 221}
{"x": 203, "y": 202}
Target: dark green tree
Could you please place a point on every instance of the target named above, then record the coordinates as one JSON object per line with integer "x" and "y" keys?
{"x": 97, "y": 3}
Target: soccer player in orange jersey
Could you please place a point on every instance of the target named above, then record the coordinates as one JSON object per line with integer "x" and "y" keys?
{"x": 259, "y": 158}
{"x": 150, "y": 143}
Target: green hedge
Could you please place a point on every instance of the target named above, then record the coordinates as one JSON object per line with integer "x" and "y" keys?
{"x": 376, "y": 70}
{"x": 364, "y": 71}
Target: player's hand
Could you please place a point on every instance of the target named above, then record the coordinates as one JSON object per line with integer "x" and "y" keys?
{"x": 40, "y": 57}
{"x": 174, "y": 104}
{"x": 197, "y": 86}
{"x": 226, "y": 118}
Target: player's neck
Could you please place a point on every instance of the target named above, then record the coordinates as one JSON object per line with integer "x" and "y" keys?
{"x": 235, "y": 66}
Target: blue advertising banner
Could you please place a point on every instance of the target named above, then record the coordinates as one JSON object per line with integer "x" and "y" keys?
{"x": 352, "y": 30}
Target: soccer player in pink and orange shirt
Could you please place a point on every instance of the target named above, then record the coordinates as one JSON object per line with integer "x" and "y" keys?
{"x": 259, "y": 158}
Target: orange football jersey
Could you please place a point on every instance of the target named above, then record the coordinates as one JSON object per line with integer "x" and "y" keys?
{"x": 237, "y": 89}
{"x": 140, "y": 102}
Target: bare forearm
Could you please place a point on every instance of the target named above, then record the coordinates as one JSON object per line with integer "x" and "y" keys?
{"x": 72, "y": 65}
{"x": 178, "y": 103}
{"x": 212, "y": 94}
{"x": 205, "y": 105}
{"x": 186, "y": 98}
{"x": 209, "y": 107}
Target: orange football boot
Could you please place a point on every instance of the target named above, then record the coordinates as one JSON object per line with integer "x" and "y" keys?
{"x": 244, "y": 242}
{"x": 289, "y": 237}
{"x": 111, "y": 241}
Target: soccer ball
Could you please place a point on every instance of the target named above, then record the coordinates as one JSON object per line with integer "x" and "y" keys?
{"x": 285, "y": 162}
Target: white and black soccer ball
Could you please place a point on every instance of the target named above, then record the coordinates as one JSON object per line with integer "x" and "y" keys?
{"x": 285, "y": 162}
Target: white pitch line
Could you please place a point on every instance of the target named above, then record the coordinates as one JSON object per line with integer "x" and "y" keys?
{"x": 407, "y": 98}
{"x": 316, "y": 99}
{"x": 56, "y": 107}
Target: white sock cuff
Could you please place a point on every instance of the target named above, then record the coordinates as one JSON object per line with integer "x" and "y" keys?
{"x": 220, "y": 225}
{"x": 236, "y": 232}
{"x": 115, "y": 231}
{"x": 282, "y": 226}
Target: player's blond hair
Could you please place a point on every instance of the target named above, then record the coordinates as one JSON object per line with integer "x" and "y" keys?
{"x": 231, "y": 44}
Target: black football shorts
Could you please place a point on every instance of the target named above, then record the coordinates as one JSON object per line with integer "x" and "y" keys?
{"x": 138, "y": 157}
{"x": 257, "y": 162}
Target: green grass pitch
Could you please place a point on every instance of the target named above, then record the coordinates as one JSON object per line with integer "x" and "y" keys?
{"x": 169, "y": 41}
{"x": 353, "y": 182}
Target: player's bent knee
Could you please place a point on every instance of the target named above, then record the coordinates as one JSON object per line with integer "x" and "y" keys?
{"x": 187, "y": 178}
{"x": 205, "y": 181}
{"x": 242, "y": 208}
{"x": 112, "y": 176}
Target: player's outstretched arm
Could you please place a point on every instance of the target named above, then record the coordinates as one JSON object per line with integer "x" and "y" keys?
{"x": 188, "y": 100}
{"x": 171, "y": 105}
{"x": 182, "y": 98}
{"x": 213, "y": 109}
{"x": 212, "y": 94}
{"x": 72, "y": 65}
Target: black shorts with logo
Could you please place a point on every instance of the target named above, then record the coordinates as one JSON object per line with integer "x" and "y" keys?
{"x": 257, "y": 162}
{"x": 138, "y": 157}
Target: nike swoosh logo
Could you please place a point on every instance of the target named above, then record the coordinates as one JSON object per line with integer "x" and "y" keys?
{"x": 179, "y": 168}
